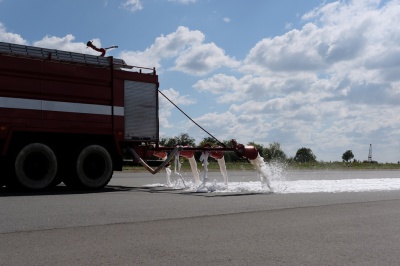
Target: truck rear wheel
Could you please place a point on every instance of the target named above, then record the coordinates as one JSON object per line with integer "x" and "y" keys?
{"x": 94, "y": 167}
{"x": 2, "y": 177}
{"x": 35, "y": 166}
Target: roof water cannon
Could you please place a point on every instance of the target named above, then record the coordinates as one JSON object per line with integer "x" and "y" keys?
{"x": 101, "y": 50}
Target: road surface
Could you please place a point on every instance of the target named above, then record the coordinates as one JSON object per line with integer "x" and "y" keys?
{"x": 129, "y": 223}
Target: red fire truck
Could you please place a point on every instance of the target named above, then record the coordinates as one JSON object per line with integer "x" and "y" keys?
{"x": 68, "y": 117}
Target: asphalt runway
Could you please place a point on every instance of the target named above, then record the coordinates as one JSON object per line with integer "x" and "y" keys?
{"x": 129, "y": 223}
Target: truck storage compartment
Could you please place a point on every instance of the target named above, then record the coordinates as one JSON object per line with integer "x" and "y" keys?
{"x": 141, "y": 111}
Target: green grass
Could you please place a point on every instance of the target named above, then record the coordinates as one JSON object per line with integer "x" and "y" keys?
{"x": 247, "y": 166}
{"x": 343, "y": 166}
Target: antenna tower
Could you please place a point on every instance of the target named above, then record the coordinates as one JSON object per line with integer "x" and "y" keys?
{"x": 370, "y": 153}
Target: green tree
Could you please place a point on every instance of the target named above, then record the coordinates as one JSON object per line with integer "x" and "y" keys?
{"x": 185, "y": 140}
{"x": 166, "y": 141}
{"x": 304, "y": 155}
{"x": 347, "y": 156}
{"x": 182, "y": 139}
{"x": 209, "y": 140}
{"x": 274, "y": 152}
{"x": 227, "y": 143}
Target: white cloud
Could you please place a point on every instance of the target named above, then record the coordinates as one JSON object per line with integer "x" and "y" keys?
{"x": 65, "y": 43}
{"x": 183, "y": 1}
{"x": 226, "y": 19}
{"x": 345, "y": 31}
{"x": 132, "y": 5}
{"x": 221, "y": 125}
{"x": 288, "y": 26}
{"x": 331, "y": 85}
{"x": 164, "y": 47}
{"x": 218, "y": 84}
{"x": 191, "y": 54}
{"x": 202, "y": 59}
{"x": 166, "y": 107}
{"x": 250, "y": 86}
{"x": 10, "y": 37}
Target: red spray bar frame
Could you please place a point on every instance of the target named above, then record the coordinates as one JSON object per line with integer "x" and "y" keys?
{"x": 240, "y": 150}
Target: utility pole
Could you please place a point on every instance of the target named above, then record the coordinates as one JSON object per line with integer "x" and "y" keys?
{"x": 370, "y": 153}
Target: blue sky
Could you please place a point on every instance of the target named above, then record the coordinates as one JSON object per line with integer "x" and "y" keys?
{"x": 304, "y": 73}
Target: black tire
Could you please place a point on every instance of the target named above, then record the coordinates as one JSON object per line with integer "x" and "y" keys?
{"x": 35, "y": 166}
{"x": 4, "y": 175}
{"x": 94, "y": 167}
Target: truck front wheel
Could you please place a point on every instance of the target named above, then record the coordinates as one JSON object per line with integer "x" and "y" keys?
{"x": 94, "y": 167}
{"x": 35, "y": 166}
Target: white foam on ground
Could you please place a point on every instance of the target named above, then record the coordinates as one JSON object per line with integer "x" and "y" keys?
{"x": 343, "y": 185}
{"x": 279, "y": 184}
{"x": 299, "y": 186}
{"x": 273, "y": 179}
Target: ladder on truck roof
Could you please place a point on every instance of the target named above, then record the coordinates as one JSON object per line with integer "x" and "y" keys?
{"x": 58, "y": 55}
